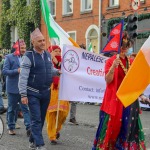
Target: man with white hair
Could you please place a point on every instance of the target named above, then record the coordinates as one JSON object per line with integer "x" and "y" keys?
{"x": 34, "y": 86}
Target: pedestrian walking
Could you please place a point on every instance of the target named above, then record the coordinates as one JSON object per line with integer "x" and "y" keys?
{"x": 34, "y": 85}
{"x": 73, "y": 109}
{"x": 11, "y": 70}
{"x": 52, "y": 131}
{"x": 119, "y": 127}
{"x": 2, "y": 108}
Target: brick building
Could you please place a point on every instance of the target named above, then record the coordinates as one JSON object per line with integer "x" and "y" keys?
{"x": 81, "y": 19}
{"x": 111, "y": 13}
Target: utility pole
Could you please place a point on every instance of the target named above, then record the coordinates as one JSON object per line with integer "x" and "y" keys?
{"x": 100, "y": 25}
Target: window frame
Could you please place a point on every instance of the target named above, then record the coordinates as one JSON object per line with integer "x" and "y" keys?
{"x": 113, "y": 5}
{"x": 28, "y": 2}
{"x": 65, "y": 12}
{"x": 75, "y": 33}
{"x": 14, "y": 34}
{"x": 53, "y": 15}
{"x": 11, "y": 3}
{"x": 82, "y": 5}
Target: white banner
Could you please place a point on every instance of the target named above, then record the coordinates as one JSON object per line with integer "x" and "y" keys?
{"x": 82, "y": 76}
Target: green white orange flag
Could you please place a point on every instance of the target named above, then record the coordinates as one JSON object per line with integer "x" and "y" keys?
{"x": 137, "y": 78}
{"x": 90, "y": 48}
{"x": 55, "y": 32}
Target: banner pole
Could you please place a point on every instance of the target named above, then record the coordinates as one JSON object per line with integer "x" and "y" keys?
{"x": 57, "y": 114}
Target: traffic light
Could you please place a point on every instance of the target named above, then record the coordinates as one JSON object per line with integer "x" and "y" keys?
{"x": 132, "y": 26}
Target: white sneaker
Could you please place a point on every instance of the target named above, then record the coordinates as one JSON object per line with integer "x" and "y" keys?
{"x": 41, "y": 148}
{"x": 17, "y": 126}
{"x": 32, "y": 146}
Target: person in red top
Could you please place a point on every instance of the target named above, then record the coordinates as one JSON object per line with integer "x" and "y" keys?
{"x": 119, "y": 128}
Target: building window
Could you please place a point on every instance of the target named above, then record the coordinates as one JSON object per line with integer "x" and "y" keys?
{"x": 113, "y": 3}
{"x": 14, "y": 34}
{"x": 28, "y": 2}
{"x": 11, "y": 3}
{"x": 67, "y": 6}
{"x": 72, "y": 34}
{"x": 52, "y": 5}
{"x": 86, "y": 5}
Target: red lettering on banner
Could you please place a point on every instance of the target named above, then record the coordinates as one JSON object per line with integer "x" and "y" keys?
{"x": 94, "y": 72}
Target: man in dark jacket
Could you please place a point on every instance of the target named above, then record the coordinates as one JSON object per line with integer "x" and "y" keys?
{"x": 34, "y": 86}
{"x": 11, "y": 70}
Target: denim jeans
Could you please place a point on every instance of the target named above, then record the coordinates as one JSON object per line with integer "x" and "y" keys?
{"x": 13, "y": 100}
{"x": 1, "y": 99}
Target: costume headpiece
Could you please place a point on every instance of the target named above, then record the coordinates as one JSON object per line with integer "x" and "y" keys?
{"x": 53, "y": 47}
{"x": 21, "y": 42}
{"x": 36, "y": 33}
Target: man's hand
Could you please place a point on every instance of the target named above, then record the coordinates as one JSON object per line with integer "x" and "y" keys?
{"x": 59, "y": 72}
{"x": 24, "y": 100}
{"x": 53, "y": 54}
{"x": 115, "y": 63}
{"x": 18, "y": 70}
{"x": 144, "y": 100}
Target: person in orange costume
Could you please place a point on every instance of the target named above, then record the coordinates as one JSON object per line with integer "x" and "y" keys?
{"x": 52, "y": 131}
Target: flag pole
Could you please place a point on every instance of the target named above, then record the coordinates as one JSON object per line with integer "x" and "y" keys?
{"x": 19, "y": 46}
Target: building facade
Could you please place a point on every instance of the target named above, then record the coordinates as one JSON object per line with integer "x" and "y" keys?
{"x": 86, "y": 21}
{"x": 79, "y": 18}
{"x": 18, "y": 20}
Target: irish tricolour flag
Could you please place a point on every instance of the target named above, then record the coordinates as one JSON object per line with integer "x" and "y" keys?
{"x": 137, "y": 78}
{"x": 55, "y": 32}
{"x": 90, "y": 48}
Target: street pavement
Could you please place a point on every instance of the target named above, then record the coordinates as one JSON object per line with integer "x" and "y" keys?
{"x": 73, "y": 137}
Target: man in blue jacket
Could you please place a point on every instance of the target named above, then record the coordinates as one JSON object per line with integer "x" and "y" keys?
{"x": 34, "y": 85}
{"x": 11, "y": 70}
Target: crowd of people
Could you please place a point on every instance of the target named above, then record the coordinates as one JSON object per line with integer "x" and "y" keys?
{"x": 32, "y": 80}
{"x": 32, "y": 84}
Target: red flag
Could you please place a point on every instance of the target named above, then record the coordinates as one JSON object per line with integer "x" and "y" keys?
{"x": 17, "y": 45}
{"x": 17, "y": 48}
{"x": 115, "y": 38}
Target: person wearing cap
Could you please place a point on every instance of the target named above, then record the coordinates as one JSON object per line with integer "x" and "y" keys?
{"x": 52, "y": 131}
{"x": 11, "y": 70}
{"x": 34, "y": 86}
{"x": 119, "y": 127}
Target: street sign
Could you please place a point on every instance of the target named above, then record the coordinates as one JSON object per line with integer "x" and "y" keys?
{"x": 135, "y": 4}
